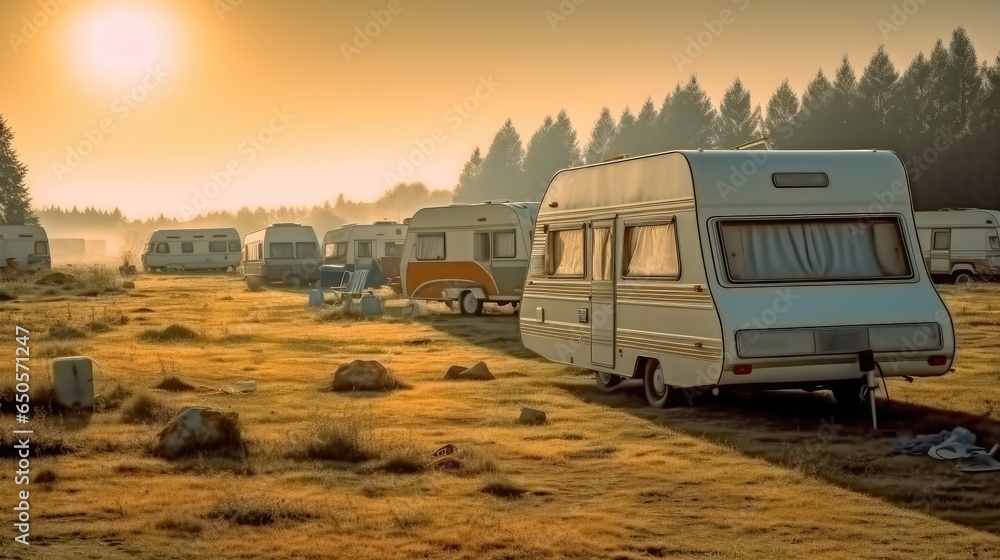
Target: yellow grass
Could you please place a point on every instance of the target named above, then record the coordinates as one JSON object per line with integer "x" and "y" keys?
{"x": 606, "y": 477}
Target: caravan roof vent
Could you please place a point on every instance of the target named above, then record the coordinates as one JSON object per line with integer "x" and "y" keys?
{"x": 285, "y": 224}
{"x": 384, "y": 223}
{"x": 498, "y": 201}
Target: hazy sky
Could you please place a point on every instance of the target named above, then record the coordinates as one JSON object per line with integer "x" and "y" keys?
{"x": 168, "y": 106}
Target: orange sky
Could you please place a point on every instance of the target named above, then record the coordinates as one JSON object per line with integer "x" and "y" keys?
{"x": 300, "y": 108}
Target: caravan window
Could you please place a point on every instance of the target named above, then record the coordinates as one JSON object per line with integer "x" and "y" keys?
{"x": 651, "y": 251}
{"x": 337, "y": 250}
{"x": 482, "y": 243}
{"x": 603, "y": 254}
{"x": 41, "y": 247}
{"x": 942, "y": 240}
{"x": 282, "y": 251}
{"x": 217, "y": 246}
{"x": 564, "y": 252}
{"x": 504, "y": 244}
{"x": 814, "y": 250}
{"x": 162, "y": 248}
{"x": 187, "y": 247}
{"x": 234, "y": 246}
{"x": 393, "y": 249}
{"x": 430, "y": 247}
{"x": 148, "y": 249}
{"x": 994, "y": 242}
{"x": 305, "y": 250}
{"x": 364, "y": 250}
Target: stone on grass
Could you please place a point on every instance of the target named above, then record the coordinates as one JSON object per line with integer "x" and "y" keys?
{"x": 532, "y": 416}
{"x": 361, "y": 375}
{"x": 128, "y": 284}
{"x": 199, "y": 430}
{"x": 478, "y": 372}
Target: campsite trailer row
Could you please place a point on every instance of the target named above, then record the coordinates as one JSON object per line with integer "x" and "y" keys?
{"x": 369, "y": 246}
{"x": 24, "y": 248}
{"x": 469, "y": 253}
{"x": 960, "y": 245}
{"x": 701, "y": 269}
{"x": 173, "y": 250}
{"x": 285, "y": 252}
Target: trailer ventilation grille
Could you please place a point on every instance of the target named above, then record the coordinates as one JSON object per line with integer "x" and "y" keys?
{"x": 841, "y": 340}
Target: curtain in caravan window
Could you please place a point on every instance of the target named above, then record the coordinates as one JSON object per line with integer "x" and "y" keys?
{"x": 602, "y": 254}
{"x": 833, "y": 249}
{"x": 565, "y": 252}
{"x": 430, "y": 247}
{"x": 481, "y": 241}
{"x": 651, "y": 251}
{"x": 504, "y": 244}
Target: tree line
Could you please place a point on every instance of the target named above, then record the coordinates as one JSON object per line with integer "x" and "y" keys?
{"x": 940, "y": 114}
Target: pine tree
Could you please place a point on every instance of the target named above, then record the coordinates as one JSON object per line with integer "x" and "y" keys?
{"x": 539, "y": 158}
{"x": 565, "y": 132}
{"x": 623, "y": 134}
{"x": 878, "y": 86}
{"x": 988, "y": 117}
{"x": 600, "y": 137}
{"x": 15, "y": 204}
{"x": 781, "y": 111}
{"x": 915, "y": 91}
{"x": 468, "y": 182}
{"x": 943, "y": 110}
{"x": 643, "y": 140}
{"x": 846, "y": 83}
{"x": 690, "y": 118}
{"x": 739, "y": 121}
{"x": 501, "y": 172}
{"x": 963, "y": 71}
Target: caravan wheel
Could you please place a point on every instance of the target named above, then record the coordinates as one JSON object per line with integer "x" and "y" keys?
{"x": 606, "y": 381}
{"x": 658, "y": 393}
{"x": 470, "y": 305}
{"x": 965, "y": 278}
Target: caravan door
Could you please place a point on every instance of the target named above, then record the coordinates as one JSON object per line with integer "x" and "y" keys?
{"x": 940, "y": 261}
{"x": 602, "y": 293}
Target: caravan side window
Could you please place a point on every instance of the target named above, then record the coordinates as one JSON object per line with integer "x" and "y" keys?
{"x": 282, "y": 251}
{"x": 216, "y": 246}
{"x": 430, "y": 247}
{"x": 393, "y": 249}
{"x": 942, "y": 240}
{"x": 564, "y": 252}
{"x": 187, "y": 247}
{"x": 504, "y": 244}
{"x": 162, "y": 248}
{"x": 305, "y": 250}
{"x": 364, "y": 250}
{"x": 651, "y": 251}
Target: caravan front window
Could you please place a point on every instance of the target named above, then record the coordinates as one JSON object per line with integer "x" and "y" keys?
{"x": 162, "y": 248}
{"x": 822, "y": 249}
{"x": 283, "y": 250}
{"x": 564, "y": 252}
{"x": 364, "y": 249}
{"x": 336, "y": 250}
{"x": 305, "y": 250}
{"x": 148, "y": 249}
{"x": 234, "y": 246}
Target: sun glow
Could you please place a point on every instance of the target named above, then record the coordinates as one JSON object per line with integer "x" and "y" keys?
{"x": 115, "y": 43}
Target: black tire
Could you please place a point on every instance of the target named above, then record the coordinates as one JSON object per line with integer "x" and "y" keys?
{"x": 658, "y": 393}
{"x": 964, "y": 277}
{"x": 848, "y": 396}
{"x": 606, "y": 381}
{"x": 293, "y": 281}
{"x": 469, "y": 304}
{"x": 254, "y": 284}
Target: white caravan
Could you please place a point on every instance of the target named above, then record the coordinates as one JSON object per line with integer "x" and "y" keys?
{"x": 283, "y": 252}
{"x": 470, "y": 253}
{"x": 23, "y": 249}
{"x": 768, "y": 269}
{"x": 960, "y": 245}
{"x": 355, "y": 245}
{"x": 172, "y": 250}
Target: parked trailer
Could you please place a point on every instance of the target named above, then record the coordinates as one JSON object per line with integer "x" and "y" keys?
{"x": 23, "y": 248}
{"x": 708, "y": 269}
{"x": 960, "y": 245}
{"x": 470, "y": 253}
{"x": 285, "y": 252}
{"x": 365, "y": 246}
{"x": 173, "y": 250}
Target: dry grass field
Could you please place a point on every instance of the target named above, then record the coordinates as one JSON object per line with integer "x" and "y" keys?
{"x": 344, "y": 475}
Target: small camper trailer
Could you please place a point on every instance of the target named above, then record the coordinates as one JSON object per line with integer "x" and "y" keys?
{"x": 960, "y": 245}
{"x": 378, "y": 245}
{"x": 284, "y": 252}
{"x": 173, "y": 250}
{"x": 23, "y": 248}
{"x": 470, "y": 253}
{"x": 707, "y": 269}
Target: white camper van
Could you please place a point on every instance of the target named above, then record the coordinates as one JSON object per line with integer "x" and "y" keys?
{"x": 355, "y": 245}
{"x": 283, "y": 252}
{"x": 470, "y": 253}
{"x": 700, "y": 269}
{"x": 172, "y": 250}
{"x": 23, "y": 249}
{"x": 960, "y": 245}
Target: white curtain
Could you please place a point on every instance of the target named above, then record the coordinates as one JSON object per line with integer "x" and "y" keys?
{"x": 651, "y": 251}
{"x": 814, "y": 250}
{"x": 504, "y": 244}
{"x": 430, "y": 247}
{"x": 602, "y": 254}
{"x": 565, "y": 249}
{"x": 482, "y": 249}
